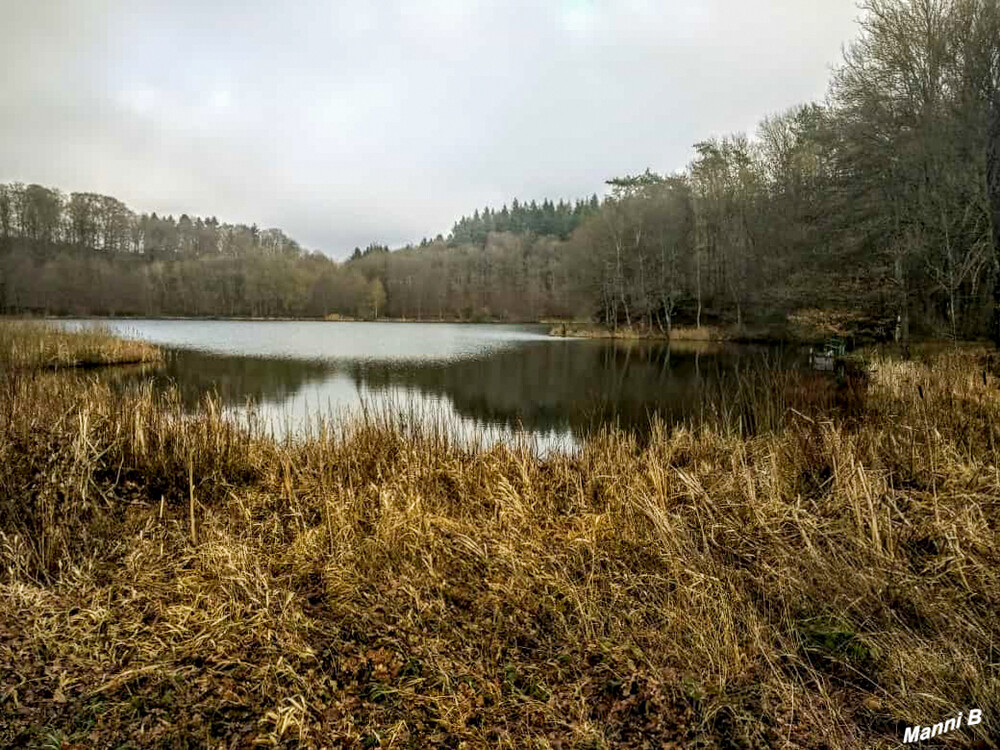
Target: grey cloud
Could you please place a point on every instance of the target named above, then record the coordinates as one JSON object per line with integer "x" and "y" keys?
{"x": 361, "y": 120}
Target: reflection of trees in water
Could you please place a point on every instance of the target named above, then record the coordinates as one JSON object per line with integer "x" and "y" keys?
{"x": 235, "y": 380}
{"x": 542, "y": 386}
{"x": 573, "y": 384}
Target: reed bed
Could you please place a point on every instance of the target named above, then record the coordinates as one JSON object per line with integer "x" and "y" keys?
{"x": 39, "y": 345}
{"x": 793, "y": 570}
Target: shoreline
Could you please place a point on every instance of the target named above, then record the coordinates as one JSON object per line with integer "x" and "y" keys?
{"x": 568, "y": 329}
{"x": 34, "y": 346}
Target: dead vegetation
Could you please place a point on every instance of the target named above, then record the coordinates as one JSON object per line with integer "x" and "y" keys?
{"x": 169, "y": 580}
{"x": 38, "y": 345}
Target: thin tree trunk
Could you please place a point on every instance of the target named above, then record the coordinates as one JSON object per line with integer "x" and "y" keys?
{"x": 697, "y": 262}
{"x": 993, "y": 189}
{"x": 619, "y": 273}
{"x": 953, "y": 282}
{"x": 903, "y": 322}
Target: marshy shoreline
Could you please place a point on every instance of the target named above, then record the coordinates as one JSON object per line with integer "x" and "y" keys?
{"x": 814, "y": 567}
{"x": 37, "y": 345}
{"x": 801, "y": 332}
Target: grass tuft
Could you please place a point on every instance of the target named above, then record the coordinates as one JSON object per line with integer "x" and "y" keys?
{"x": 36, "y": 345}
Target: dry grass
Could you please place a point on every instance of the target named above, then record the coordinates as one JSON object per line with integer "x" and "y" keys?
{"x": 693, "y": 333}
{"x": 704, "y": 333}
{"x": 171, "y": 581}
{"x": 35, "y": 345}
{"x": 593, "y": 331}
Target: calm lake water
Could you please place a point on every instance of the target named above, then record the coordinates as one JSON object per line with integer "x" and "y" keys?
{"x": 492, "y": 380}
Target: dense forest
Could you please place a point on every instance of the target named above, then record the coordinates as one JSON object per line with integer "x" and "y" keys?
{"x": 879, "y": 208}
{"x": 545, "y": 218}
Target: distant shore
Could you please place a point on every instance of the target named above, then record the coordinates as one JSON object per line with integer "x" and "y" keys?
{"x": 557, "y": 328}
{"x": 571, "y": 329}
{"x": 277, "y": 319}
{"x": 715, "y": 334}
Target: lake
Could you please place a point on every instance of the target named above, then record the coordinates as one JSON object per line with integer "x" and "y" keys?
{"x": 490, "y": 380}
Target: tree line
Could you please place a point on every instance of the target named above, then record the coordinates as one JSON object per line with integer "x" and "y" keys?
{"x": 877, "y": 211}
{"x": 879, "y": 208}
{"x": 546, "y": 218}
{"x": 89, "y": 254}
{"x": 882, "y": 205}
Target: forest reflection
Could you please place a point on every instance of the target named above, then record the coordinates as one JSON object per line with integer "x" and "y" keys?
{"x": 540, "y": 387}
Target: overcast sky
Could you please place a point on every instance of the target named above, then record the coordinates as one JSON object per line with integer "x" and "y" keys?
{"x": 351, "y": 121}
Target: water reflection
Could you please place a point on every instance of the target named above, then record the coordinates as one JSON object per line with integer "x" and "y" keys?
{"x": 235, "y": 380}
{"x": 558, "y": 389}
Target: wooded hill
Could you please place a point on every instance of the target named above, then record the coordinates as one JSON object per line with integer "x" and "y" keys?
{"x": 879, "y": 208}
